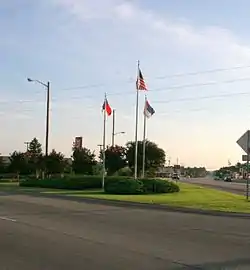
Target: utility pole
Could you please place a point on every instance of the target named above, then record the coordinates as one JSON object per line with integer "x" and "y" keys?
{"x": 113, "y": 129}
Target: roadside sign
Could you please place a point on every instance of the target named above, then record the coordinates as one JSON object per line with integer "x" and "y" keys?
{"x": 244, "y": 142}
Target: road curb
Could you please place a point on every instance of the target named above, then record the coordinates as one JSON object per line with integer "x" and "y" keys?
{"x": 160, "y": 207}
{"x": 149, "y": 206}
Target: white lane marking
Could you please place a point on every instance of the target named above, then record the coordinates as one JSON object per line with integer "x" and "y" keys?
{"x": 8, "y": 219}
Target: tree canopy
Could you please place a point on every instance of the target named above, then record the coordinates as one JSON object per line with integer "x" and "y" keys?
{"x": 35, "y": 156}
{"x": 18, "y": 163}
{"x": 2, "y": 165}
{"x": 55, "y": 162}
{"x": 83, "y": 161}
{"x": 154, "y": 158}
{"x": 115, "y": 158}
{"x": 118, "y": 159}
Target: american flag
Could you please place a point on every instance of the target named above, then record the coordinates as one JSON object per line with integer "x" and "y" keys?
{"x": 140, "y": 83}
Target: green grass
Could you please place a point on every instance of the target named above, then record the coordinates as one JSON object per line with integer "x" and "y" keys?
{"x": 11, "y": 184}
{"x": 191, "y": 196}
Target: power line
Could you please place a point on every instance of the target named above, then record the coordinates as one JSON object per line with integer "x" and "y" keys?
{"x": 133, "y": 92}
{"x": 129, "y": 81}
{"x": 203, "y": 97}
{"x": 226, "y": 95}
{"x": 203, "y": 72}
{"x": 185, "y": 86}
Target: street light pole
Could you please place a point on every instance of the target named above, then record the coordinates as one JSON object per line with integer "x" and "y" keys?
{"x": 113, "y": 129}
{"x": 47, "y": 86}
{"x": 47, "y": 120}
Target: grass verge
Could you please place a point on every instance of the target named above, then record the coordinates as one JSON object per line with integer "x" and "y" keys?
{"x": 191, "y": 196}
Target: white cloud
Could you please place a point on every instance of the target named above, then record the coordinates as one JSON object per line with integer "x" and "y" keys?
{"x": 215, "y": 41}
{"x": 88, "y": 10}
{"x": 125, "y": 11}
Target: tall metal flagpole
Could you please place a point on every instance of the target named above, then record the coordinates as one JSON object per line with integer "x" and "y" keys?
{"x": 104, "y": 143}
{"x": 144, "y": 142}
{"x": 136, "y": 121}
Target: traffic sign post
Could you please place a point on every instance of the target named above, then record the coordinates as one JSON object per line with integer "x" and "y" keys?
{"x": 244, "y": 143}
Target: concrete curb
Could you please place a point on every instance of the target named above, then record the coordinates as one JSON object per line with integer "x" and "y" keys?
{"x": 138, "y": 205}
{"x": 160, "y": 207}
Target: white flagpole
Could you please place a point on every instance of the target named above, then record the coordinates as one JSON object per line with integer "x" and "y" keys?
{"x": 104, "y": 144}
{"x": 136, "y": 122}
{"x": 144, "y": 142}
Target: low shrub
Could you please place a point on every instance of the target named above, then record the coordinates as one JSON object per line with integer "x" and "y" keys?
{"x": 76, "y": 183}
{"x": 124, "y": 172}
{"x": 159, "y": 186}
{"x": 124, "y": 186}
{"x": 142, "y": 186}
{"x": 113, "y": 185}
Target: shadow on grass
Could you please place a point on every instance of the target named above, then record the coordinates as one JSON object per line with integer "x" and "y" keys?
{"x": 71, "y": 192}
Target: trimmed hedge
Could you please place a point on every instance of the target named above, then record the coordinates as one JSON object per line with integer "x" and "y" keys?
{"x": 124, "y": 186}
{"x": 72, "y": 183}
{"x": 159, "y": 186}
{"x": 113, "y": 185}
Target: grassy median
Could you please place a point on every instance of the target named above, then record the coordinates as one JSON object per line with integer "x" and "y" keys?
{"x": 192, "y": 196}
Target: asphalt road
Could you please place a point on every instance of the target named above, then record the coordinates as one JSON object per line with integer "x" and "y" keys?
{"x": 237, "y": 188}
{"x": 38, "y": 233}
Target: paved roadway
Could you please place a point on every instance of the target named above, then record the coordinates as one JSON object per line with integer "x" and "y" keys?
{"x": 38, "y": 233}
{"x": 238, "y": 188}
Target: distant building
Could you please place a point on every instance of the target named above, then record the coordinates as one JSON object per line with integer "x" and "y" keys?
{"x": 165, "y": 171}
{"x": 78, "y": 143}
{"x": 6, "y": 160}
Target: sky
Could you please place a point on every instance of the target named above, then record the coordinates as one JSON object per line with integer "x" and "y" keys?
{"x": 194, "y": 55}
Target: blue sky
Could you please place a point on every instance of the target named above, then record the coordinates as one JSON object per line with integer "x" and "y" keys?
{"x": 86, "y": 48}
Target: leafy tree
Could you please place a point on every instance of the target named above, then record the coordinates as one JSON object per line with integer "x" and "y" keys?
{"x": 18, "y": 163}
{"x": 2, "y": 165}
{"x": 97, "y": 169}
{"x": 35, "y": 148}
{"x": 35, "y": 156}
{"x": 55, "y": 162}
{"x": 126, "y": 171}
{"x": 115, "y": 159}
{"x": 154, "y": 158}
{"x": 83, "y": 161}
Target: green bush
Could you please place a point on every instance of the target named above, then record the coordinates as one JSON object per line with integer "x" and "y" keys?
{"x": 113, "y": 185}
{"x": 159, "y": 186}
{"x": 73, "y": 182}
{"x": 124, "y": 186}
{"x": 142, "y": 186}
{"x": 124, "y": 172}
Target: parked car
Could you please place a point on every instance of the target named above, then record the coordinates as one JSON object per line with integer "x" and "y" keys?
{"x": 175, "y": 176}
{"x": 228, "y": 179}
